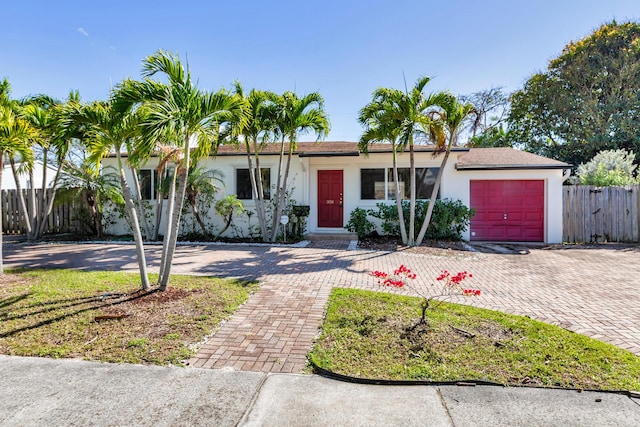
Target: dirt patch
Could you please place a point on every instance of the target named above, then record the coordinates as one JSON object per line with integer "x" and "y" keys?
{"x": 435, "y": 248}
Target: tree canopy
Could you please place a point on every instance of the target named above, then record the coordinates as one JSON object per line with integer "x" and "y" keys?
{"x": 587, "y": 101}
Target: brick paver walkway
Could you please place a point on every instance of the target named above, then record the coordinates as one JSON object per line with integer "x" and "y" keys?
{"x": 593, "y": 291}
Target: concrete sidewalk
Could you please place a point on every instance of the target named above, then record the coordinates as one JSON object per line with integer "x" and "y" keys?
{"x": 36, "y": 392}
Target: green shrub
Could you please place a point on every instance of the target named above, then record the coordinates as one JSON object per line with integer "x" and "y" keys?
{"x": 608, "y": 168}
{"x": 450, "y": 218}
{"x": 359, "y": 223}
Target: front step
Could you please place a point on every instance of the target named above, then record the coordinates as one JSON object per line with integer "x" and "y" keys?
{"x": 322, "y": 237}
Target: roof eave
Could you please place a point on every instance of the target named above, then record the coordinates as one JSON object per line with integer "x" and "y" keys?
{"x": 330, "y": 154}
{"x": 510, "y": 167}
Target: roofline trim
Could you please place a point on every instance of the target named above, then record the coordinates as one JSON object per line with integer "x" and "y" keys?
{"x": 510, "y": 167}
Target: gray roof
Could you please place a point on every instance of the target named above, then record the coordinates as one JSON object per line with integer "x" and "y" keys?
{"x": 505, "y": 158}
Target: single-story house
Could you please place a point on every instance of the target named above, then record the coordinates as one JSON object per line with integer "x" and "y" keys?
{"x": 517, "y": 195}
{"x": 9, "y": 181}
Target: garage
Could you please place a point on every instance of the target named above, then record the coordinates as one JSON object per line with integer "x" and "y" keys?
{"x": 507, "y": 210}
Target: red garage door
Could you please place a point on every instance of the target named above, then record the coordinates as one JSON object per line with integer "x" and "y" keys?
{"x": 508, "y": 211}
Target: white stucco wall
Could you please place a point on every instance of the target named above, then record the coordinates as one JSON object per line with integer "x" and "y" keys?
{"x": 226, "y": 165}
{"x": 351, "y": 167}
{"x": 303, "y": 187}
{"x": 9, "y": 182}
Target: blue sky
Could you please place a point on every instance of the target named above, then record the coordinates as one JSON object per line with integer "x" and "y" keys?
{"x": 342, "y": 49}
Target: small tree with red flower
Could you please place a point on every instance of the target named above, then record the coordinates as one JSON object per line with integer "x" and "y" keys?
{"x": 450, "y": 285}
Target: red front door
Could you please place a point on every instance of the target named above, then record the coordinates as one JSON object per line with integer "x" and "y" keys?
{"x": 508, "y": 210}
{"x": 330, "y": 199}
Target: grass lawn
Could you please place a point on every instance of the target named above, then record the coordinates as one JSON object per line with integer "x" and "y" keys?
{"x": 369, "y": 335}
{"x": 104, "y": 316}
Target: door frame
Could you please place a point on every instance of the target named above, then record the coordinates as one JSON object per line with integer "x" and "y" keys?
{"x": 339, "y": 200}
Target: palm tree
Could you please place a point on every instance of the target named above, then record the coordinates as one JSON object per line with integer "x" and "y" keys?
{"x": 16, "y": 136}
{"x": 46, "y": 115}
{"x": 381, "y": 125}
{"x": 226, "y": 208}
{"x": 256, "y": 132}
{"x": 84, "y": 183}
{"x": 408, "y": 112}
{"x": 179, "y": 113}
{"x": 294, "y": 117}
{"x": 445, "y": 125}
{"x": 108, "y": 131}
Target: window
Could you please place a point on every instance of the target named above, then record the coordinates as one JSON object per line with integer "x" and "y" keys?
{"x": 148, "y": 179}
{"x": 243, "y": 183}
{"x": 378, "y": 184}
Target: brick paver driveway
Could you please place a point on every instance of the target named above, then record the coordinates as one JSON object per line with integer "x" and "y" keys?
{"x": 593, "y": 291}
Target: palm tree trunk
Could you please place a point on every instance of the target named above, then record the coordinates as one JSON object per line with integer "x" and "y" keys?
{"x": 281, "y": 195}
{"x": 432, "y": 200}
{"x": 135, "y": 225}
{"x": 412, "y": 201}
{"x": 226, "y": 226}
{"x": 1, "y": 215}
{"x": 31, "y": 192}
{"x": 258, "y": 195}
{"x": 403, "y": 229}
{"x": 159, "y": 202}
{"x": 141, "y": 210}
{"x": 52, "y": 198}
{"x": 196, "y": 215}
{"x": 170, "y": 207}
{"x": 275, "y": 220}
{"x": 41, "y": 218}
{"x": 21, "y": 200}
{"x": 175, "y": 221}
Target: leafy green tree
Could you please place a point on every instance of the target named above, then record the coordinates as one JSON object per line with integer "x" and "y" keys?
{"x": 493, "y": 137}
{"x": 587, "y": 99}
{"x": 608, "y": 168}
{"x": 295, "y": 116}
{"x": 179, "y": 113}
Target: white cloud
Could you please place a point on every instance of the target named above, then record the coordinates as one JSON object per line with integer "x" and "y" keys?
{"x": 112, "y": 47}
{"x": 83, "y": 32}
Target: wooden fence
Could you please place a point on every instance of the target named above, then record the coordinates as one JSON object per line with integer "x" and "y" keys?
{"x": 601, "y": 214}
{"x": 62, "y": 219}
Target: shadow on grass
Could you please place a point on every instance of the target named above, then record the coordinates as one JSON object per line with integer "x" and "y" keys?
{"x": 12, "y": 300}
{"x": 60, "y": 304}
{"x": 131, "y": 297}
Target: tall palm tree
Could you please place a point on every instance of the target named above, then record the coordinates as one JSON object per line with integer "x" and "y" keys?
{"x": 445, "y": 126}
{"x": 254, "y": 134}
{"x": 45, "y": 114}
{"x": 179, "y": 113}
{"x": 16, "y": 136}
{"x": 381, "y": 125}
{"x": 109, "y": 131}
{"x": 408, "y": 111}
{"x": 295, "y": 116}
